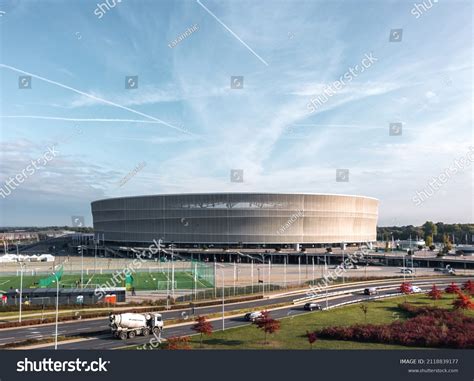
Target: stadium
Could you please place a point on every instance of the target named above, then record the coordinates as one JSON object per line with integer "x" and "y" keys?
{"x": 244, "y": 220}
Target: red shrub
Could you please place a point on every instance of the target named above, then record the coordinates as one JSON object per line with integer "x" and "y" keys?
{"x": 453, "y": 288}
{"x": 311, "y": 338}
{"x": 463, "y": 302}
{"x": 435, "y": 293}
{"x": 431, "y": 327}
{"x": 469, "y": 287}
{"x": 405, "y": 288}
{"x": 178, "y": 342}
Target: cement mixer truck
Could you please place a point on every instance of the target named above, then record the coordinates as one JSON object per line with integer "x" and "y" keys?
{"x": 128, "y": 325}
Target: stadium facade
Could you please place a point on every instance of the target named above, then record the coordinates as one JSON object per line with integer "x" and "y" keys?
{"x": 237, "y": 219}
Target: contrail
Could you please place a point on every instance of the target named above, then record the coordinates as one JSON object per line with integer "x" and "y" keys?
{"x": 78, "y": 119}
{"x": 231, "y": 32}
{"x": 94, "y": 97}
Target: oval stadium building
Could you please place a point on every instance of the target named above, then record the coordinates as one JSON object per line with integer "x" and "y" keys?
{"x": 237, "y": 219}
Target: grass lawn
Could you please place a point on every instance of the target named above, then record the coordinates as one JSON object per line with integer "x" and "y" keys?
{"x": 293, "y": 329}
{"x": 142, "y": 280}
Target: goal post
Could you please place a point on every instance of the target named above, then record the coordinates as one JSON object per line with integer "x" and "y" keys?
{"x": 166, "y": 285}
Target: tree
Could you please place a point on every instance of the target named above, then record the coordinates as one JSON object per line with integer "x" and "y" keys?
{"x": 428, "y": 240}
{"x": 446, "y": 244}
{"x": 463, "y": 302}
{"x": 203, "y": 327}
{"x": 453, "y": 288}
{"x": 435, "y": 293}
{"x": 365, "y": 308}
{"x": 266, "y": 323}
{"x": 405, "y": 288}
{"x": 311, "y": 338}
{"x": 469, "y": 287}
{"x": 178, "y": 342}
{"x": 429, "y": 229}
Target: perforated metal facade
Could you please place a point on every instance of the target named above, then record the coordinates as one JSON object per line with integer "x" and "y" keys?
{"x": 238, "y": 218}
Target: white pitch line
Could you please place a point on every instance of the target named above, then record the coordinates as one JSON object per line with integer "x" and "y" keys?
{"x": 231, "y": 32}
{"x": 93, "y": 97}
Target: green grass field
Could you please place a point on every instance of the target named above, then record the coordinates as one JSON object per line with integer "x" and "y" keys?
{"x": 293, "y": 329}
{"x": 142, "y": 280}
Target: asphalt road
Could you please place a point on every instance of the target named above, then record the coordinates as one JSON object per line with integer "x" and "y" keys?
{"x": 104, "y": 340}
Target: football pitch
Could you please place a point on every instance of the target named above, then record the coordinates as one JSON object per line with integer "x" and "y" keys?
{"x": 141, "y": 280}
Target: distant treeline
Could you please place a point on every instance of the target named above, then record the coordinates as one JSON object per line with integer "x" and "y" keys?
{"x": 463, "y": 233}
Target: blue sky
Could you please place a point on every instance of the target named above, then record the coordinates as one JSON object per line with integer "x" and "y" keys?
{"x": 190, "y": 128}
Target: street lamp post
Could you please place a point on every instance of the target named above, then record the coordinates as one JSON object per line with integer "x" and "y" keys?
{"x": 404, "y": 268}
{"x": 172, "y": 270}
{"x": 326, "y": 271}
{"x": 343, "y": 263}
{"x": 57, "y": 312}
{"x": 299, "y": 270}
{"x": 223, "y": 300}
{"x": 269, "y": 274}
{"x": 251, "y": 273}
{"x": 22, "y": 268}
{"x": 223, "y": 295}
{"x": 79, "y": 249}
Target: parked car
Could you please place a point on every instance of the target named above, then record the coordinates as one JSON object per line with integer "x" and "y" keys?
{"x": 311, "y": 306}
{"x": 253, "y": 316}
{"x": 371, "y": 291}
{"x": 406, "y": 271}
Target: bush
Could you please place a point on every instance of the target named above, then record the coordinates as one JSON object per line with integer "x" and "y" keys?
{"x": 453, "y": 288}
{"x": 430, "y": 327}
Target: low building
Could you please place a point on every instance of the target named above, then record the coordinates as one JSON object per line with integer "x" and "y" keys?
{"x": 67, "y": 296}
